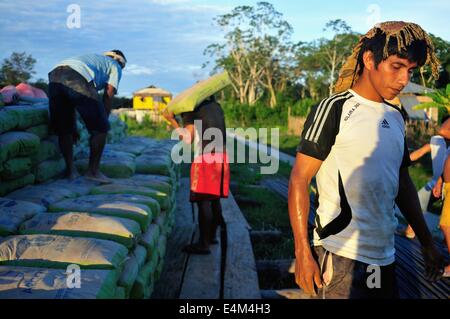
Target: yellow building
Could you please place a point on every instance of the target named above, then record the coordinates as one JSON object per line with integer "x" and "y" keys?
{"x": 151, "y": 98}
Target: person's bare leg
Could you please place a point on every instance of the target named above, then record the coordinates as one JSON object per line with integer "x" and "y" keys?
{"x": 97, "y": 144}
{"x": 66, "y": 146}
{"x": 205, "y": 221}
{"x": 216, "y": 221}
{"x": 446, "y": 231}
{"x": 204, "y": 225}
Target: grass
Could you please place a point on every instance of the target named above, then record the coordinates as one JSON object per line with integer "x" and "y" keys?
{"x": 149, "y": 129}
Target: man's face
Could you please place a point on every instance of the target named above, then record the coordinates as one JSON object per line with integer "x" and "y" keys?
{"x": 391, "y": 76}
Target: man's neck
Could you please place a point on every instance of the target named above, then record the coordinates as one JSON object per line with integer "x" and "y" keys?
{"x": 364, "y": 88}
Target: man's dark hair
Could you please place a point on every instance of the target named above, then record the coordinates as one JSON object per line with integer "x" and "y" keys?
{"x": 415, "y": 52}
{"x": 119, "y": 53}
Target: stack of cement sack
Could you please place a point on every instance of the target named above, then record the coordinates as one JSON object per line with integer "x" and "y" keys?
{"x": 116, "y": 233}
{"x": 25, "y": 155}
{"x": 28, "y": 155}
{"x": 117, "y": 132}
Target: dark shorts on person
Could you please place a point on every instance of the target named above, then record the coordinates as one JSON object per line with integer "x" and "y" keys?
{"x": 69, "y": 91}
{"x": 352, "y": 279}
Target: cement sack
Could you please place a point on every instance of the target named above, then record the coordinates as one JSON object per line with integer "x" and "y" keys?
{"x": 137, "y": 212}
{"x": 24, "y": 89}
{"x": 12, "y": 185}
{"x": 146, "y": 164}
{"x": 139, "y": 140}
{"x": 121, "y": 230}
{"x": 114, "y": 168}
{"x": 15, "y": 168}
{"x": 189, "y": 99}
{"x": 42, "y": 283}
{"x": 8, "y": 121}
{"x": 150, "y": 239}
{"x": 47, "y": 150}
{"x": 49, "y": 169}
{"x": 128, "y": 198}
{"x": 157, "y": 185}
{"x": 108, "y": 154}
{"x": 140, "y": 253}
{"x": 163, "y": 222}
{"x": 159, "y": 270}
{"x": 15, "y": 212}
{"x": 120, "y": 293}
{"x": 129, "y": 275}
{"x": 144, "y": 284}
{"x": 152, "y": 178}
{"x": 135, "y": 149}
{"x": 44, "y": 195}
{"x": 29, "y": 115}
{"x": 18, "y": 144}
{"x": 40, "y": 130}
{"x": 162, "y": 244}
{"x": 50, "y": 251}
{"x": 79, "y": 186}
{"x": 162, "y": 198}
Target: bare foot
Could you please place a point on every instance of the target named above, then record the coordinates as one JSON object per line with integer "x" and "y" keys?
{"x": 98, "y": 177}
{"x": 72, "y": 175}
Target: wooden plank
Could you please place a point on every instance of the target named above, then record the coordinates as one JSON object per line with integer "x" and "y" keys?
{"x": 409, "y": 257}
{"x": 184, "y": 214}
{"x": 170, "y": 282}
{"x": 202, "y": 279}
{"x": 231, "y": 212}
{"x": 240, "y": 277}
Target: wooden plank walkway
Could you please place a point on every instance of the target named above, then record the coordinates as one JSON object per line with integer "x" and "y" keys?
{"x": 228, "y": 272}
{"x": 170, "y": 283}
{"x": 410, "y": 264}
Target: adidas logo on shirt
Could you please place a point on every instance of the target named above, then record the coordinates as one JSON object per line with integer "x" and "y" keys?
{"x": 385, "y": 124}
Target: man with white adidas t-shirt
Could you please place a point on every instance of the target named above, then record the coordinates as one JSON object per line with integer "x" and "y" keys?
{"x": 354, "y": 143}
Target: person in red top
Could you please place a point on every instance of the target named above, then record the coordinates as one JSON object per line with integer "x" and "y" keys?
{"x": 210, "y": 170}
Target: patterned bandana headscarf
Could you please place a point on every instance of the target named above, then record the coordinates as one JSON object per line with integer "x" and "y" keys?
{"x": 404, "y": 32}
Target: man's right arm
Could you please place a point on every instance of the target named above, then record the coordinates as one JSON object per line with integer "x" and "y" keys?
{"x": 307, "y": 272}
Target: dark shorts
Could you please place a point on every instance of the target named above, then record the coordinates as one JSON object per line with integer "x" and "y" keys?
{"x": 70, "y": 91}
{"x": 353, "y": 279}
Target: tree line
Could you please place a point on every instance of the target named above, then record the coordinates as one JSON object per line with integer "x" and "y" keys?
{"x": 264, "y": 63}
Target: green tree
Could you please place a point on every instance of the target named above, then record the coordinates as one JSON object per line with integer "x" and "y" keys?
{"x": 441, "y": 100}
{"x": 19, "y": 67}
{"x": 321, "y": 60}
{"x": 255, "y": 51}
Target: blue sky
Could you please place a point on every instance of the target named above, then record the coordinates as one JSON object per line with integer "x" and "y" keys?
{"x": 164, "y": 39}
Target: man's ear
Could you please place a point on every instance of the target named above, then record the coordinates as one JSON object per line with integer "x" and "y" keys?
{"x": 369, "y": 60}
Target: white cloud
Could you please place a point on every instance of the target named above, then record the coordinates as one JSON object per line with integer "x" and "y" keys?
{"x": 135, "y": 69}
{"x": 189, "y": 6}
{"x": 168, "y": 2}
